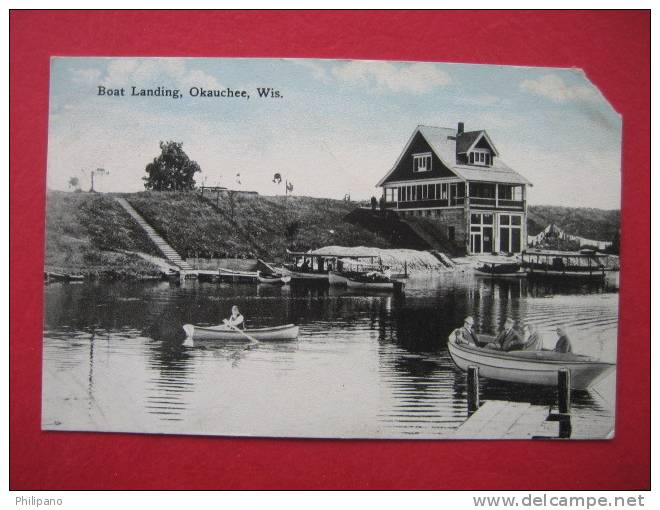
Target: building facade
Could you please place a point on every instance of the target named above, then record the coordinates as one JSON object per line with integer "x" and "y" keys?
{"x": 456, "y": 178}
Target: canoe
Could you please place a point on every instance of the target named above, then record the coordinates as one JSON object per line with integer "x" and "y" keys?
{"x": 225, "y": 334}
{"x": 529, "y": 367}
{"x": 273, "y": 279}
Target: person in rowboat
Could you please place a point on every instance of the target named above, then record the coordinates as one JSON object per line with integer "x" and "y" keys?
{"x": 236, "y": 319}
{"x": 563, "y": 343}
{"x": 466, "y": 334}
{"x": 508, "y": 339}
{"x": 531, "y": 336}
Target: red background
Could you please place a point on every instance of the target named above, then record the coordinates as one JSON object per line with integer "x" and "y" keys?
{"x": 612, "y": 47}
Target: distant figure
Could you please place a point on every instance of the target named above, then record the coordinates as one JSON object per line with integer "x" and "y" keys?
{"x": 305, "y": 266}
{"x": 236, "y": 319}
{"x": 531, "y": 338}
{"x": 466, "y": 334}
{"x": 508, "y": 339}
{"x": 374, "y": 203}
{"x": 563, "y": 343}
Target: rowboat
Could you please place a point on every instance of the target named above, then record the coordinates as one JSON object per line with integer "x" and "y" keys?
{"x": 372, "y": 281}
{"x": 529, "y": 346}
{"x": 226, "y": 334}
{"x": 62, "y": 277}
{"x": 499, "y": 269}
{"x": 529, "y": 367}
{"x": 304, "y": 275}
{"x": 229, "y": 275}
{"x": 273, "y": 279}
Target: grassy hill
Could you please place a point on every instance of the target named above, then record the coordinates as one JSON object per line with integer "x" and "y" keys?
{"x": 87, "y": 233}
{"x": 249, "y": 226}
{"x": 597, "y": 224}
{"x": 90, "y": 233}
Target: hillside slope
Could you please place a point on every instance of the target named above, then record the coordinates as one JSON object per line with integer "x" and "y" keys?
{"x": 598, "y": 224}
{"x": 88, "y": 232}
{"x": 248, "y": 226}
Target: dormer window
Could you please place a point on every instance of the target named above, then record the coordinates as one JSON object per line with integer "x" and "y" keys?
{"x": 480, "y": 157}
{"x": 422, "y": 162}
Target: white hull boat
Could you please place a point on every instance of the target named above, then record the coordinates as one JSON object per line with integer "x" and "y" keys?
{"x": 226, "y": 334}
{"x": 529, "y": 367}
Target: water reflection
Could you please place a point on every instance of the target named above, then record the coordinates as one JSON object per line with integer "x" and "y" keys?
{"x": 365, "y": 364}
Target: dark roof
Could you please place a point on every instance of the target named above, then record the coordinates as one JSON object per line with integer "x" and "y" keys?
{"x": 443, "y": 142}
{"x": 465, "y": 140}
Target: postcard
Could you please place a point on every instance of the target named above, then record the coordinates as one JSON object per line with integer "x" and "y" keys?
{"x": 330, "y": 249}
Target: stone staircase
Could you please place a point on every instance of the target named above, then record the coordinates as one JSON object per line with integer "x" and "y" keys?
{"x": 169, "y": 252}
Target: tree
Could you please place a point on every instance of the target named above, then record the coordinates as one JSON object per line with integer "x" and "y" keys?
{"x": 172, "y": 170}
{"x": 74, "y": 183}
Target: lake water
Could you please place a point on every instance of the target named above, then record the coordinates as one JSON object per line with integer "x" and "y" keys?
{"x": 365, "y": 364}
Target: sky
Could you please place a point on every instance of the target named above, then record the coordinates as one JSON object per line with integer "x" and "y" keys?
{"x": 337, "y": 127}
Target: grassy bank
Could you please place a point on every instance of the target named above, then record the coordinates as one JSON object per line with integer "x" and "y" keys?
{"x": 249, "y": 226}
{"x": 90, "y": 234}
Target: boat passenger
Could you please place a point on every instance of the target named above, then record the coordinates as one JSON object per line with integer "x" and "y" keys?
{"x": 563, "y": 343}
{"x": 508, "y": 339}
{"x": 531, "y": 337}
{"x": 466, "y": 334}
{"x": 236, "y": 319}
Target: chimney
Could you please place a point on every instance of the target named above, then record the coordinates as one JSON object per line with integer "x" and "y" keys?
{"x": 461, "y": 127}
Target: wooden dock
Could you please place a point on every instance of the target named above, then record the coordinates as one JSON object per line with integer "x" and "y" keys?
{"x": 500, "y": 419}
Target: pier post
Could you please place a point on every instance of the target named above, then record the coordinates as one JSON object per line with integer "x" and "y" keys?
{"x": 472, "y": 389}
{"x": 564, "y": 402}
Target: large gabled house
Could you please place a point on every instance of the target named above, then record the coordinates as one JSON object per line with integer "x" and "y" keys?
{"x": 457, "y": 178}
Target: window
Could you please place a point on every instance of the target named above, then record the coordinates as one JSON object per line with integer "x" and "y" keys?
{"x": 422, "y": 162}
{"x": 481, "y": 233}
{"x": 510, "y": 233}
{"x": 480, "y": 157}
{"x": 389, "y": 195}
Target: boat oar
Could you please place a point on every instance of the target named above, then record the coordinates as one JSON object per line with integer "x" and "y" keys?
{"x": 250, "y": 338}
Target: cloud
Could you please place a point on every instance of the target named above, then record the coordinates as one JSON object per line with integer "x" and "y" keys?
{"x": 87, "y": 76}
{"x": 125, "y": 71}
{"x": 556, "y": 89}
{"x": 318, "y": 71}
{"x": 416, "y": 78}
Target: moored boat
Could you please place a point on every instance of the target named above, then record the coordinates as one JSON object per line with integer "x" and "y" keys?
{"x": 62, "y": 277}
{"x": 229, "y": 275}
{"x": 563, "y": 265}
{"x": 337, "y": 278}
{"x": 499, "y": 269}
{"x": 529, "y": 367}
{"x": 273, "y": 279}
{"x": 227, "y": 334}
{"x": 528, "y": 346}
{"x": 373, "y": 281}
